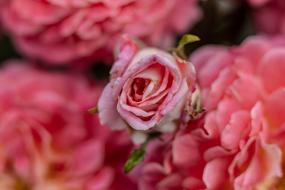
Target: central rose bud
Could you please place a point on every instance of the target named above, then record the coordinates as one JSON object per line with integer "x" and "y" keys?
{"x": 148, "y": 88}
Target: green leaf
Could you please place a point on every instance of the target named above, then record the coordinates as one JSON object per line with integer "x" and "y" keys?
{"x": 186, "y": 39}
{"x": 134, "y": 159}
{"x": 138, "y": 154}
{"x": 93, "y": 110}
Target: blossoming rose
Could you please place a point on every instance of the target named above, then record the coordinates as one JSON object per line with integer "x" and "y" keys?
{"x": 64, "y": 31}
{"x": 49, "y": 141}
{"x": 148, "y": 88}
{"x": 242, "y": 95}
{"x": 238, "y": 143}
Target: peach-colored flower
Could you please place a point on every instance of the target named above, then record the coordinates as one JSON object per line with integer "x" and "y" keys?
{"x": 269, "y": 16}
{"x": 60, "y": 31}
{"x": 148, "y": 88}
{"x": 237, "y": 144}
{"x": 47, "y": 138}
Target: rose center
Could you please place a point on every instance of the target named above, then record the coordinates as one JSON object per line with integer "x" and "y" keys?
{"x": 138, "y": 87}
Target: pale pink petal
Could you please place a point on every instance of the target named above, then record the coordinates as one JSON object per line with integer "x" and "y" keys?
{"x": 215, "y": 173}
{"x": 107, "y": 109}
{"x": 233, "y": 133}
{"x": 272, "y": 68}
{"x": 186, "y": 151}
{"x": 127, "y": 50}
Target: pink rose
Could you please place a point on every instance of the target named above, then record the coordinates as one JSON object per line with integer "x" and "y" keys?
{"x": 239, "y": 142}
{"x": 238, "y": 85}
{"x": 64, "y": 31}
{"x": 48, "y": 139}
{"x": 148, "y": 88}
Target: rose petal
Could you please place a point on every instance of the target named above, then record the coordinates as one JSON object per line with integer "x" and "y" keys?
{"x": 107, "y": 114}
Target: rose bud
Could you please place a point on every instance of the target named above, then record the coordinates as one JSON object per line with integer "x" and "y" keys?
{"x": 148, "y": 88}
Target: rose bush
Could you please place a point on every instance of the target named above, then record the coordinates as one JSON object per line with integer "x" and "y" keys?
{"x": 148, "y": 88}
{"x": 48, "y": 139}
{"x": 238, "y": 143}
{"x": 66, "y": 31}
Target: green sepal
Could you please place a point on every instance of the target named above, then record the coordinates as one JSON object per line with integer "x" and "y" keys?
{"x": 134, "y": 159}
{"x": 94, "y": 110}
{"x": 186, "y": 39}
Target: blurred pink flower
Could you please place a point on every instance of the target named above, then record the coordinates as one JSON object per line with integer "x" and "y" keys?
{"x": 258, "y": 2}
{"x": 237, "y": 144}
{"x": 148, "y": 88}
{"x": 48, "y": 140}
{"x": 269, "y": 16}
{"x": 61, "y": 31}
